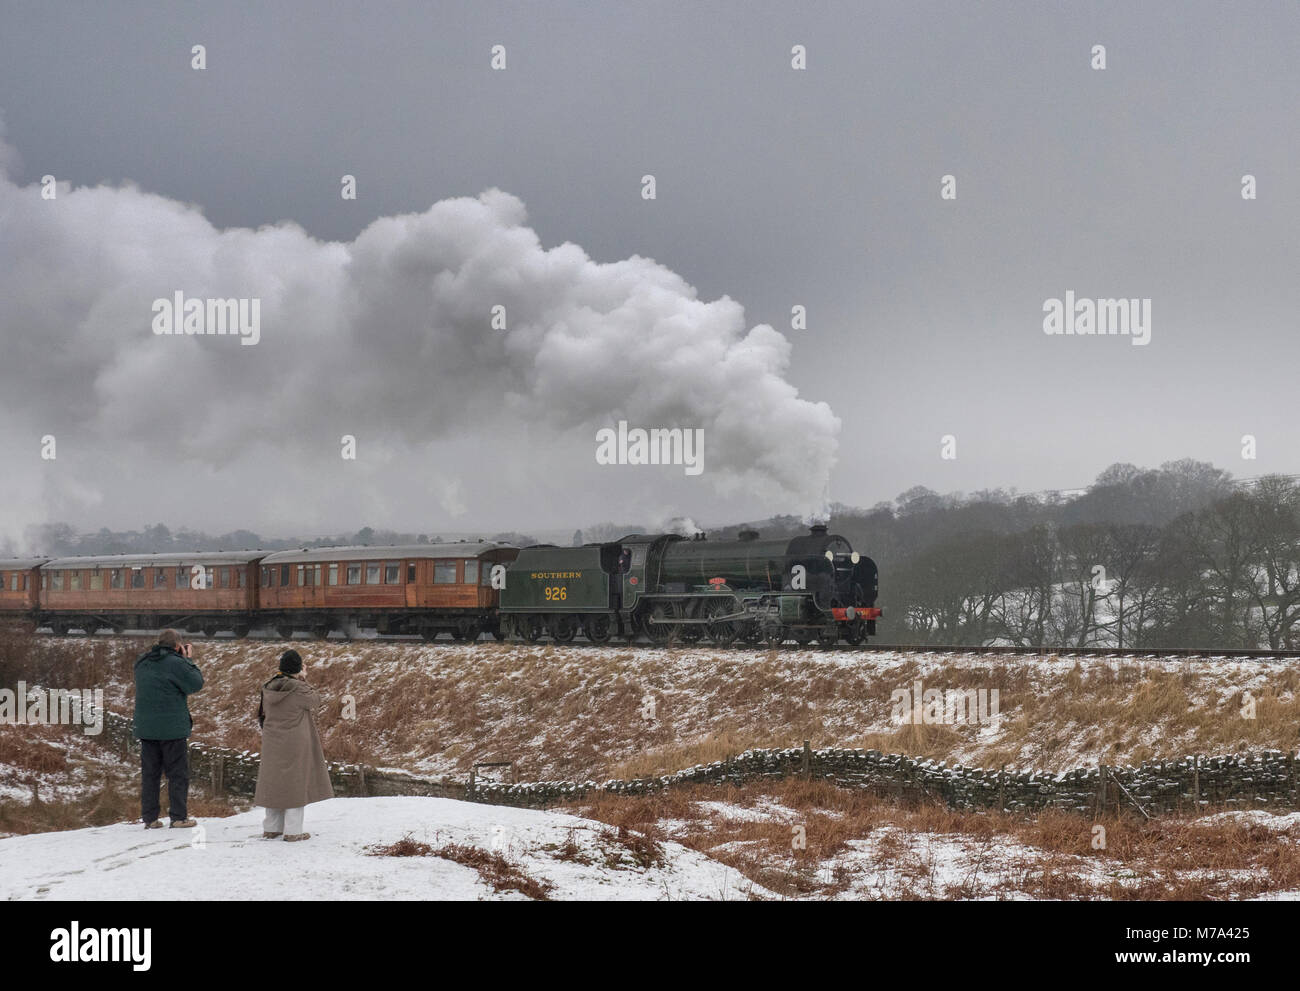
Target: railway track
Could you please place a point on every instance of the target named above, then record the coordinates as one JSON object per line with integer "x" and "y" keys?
{"x": 995, "y": 650}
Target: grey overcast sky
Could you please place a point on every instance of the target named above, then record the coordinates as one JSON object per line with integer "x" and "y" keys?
{"x": 775, "y": 187}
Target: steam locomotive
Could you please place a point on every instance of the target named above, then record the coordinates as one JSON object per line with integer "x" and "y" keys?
{"x": 673, "y": 589}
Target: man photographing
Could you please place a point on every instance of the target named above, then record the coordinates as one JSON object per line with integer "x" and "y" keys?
{"x": 164, "y": 677}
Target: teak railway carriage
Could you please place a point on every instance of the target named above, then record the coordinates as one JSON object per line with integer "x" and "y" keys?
{"x": 664, "y": 587}
{"x": 421, "y": 588}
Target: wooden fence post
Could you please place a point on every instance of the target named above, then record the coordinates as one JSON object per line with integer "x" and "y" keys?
{"x": 1196, "y": 784}
{"x": 807, "y": 761}
{"x": 1101, "y": 790}
{"x": 218, "y": 774}
{"x": 361, "y": 780}
{"x": 1002, "y": 788}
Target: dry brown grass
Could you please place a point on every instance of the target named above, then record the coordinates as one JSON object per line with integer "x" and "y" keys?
{"x": 1053, "y": 855}
{"x": 496, "y": 871}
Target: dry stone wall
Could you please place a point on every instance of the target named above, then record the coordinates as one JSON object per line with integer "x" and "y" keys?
{"x": 1264, "y": 779}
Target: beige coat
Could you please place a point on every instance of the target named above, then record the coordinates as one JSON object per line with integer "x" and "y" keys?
{"x": 293, "y": 772}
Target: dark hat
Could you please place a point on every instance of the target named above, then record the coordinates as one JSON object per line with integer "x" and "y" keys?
{"x": 290, "y": 662}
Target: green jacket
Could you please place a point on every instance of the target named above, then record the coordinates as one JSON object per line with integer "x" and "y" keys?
{"x": 163, "y": 678}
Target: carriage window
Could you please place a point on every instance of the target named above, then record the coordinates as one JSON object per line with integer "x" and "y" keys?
{"x": 301, "y": 583}
{"x": 13, "y": 582}
{"x": 284, "y": 576}
{"x": 444, "y": 572}
{"x": 96, "y": 581}
{"x": 372, "y": 573}
{"x": 266, "y": 576}
{"x": 182, "y": 576}
{"x": 137, "y": 578}
{"x": 485, "y": 576}
{"x": 471, "y": 572}
{"x": 225, "y": 578}
{"x": 334, "y": 574}
{"x": 410, "y": 573}
{"x": 44, "y": 582}
{"x": 25, "y": 577}
{"x": 115, "y": 578}
{"x": 56, "y": 583}
{"x": 159, "y": 577}
{"x": 392, "y": 573}
{"x": 74, "y": 580}
{"x": 354, "y": 574}
{"x": 243, "y": 577}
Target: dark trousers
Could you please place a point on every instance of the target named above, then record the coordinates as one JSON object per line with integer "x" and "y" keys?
{"x": 159, "y": 757}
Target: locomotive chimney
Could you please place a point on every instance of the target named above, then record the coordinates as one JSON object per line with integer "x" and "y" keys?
{"x": 818, "y": 529}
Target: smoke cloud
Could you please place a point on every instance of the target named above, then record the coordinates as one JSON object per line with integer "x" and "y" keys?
{"x": 387, "y": 336}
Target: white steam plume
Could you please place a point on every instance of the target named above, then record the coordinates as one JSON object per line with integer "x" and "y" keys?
{"x": 389, "y": 332}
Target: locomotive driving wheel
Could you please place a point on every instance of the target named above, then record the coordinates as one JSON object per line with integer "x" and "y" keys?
{"x": 855, "y": 632}
{"x": 804, "y": 637}
{"x": 829, "y": 636}
{"x": 751, "y": 634}
{"x": 721, "y": 632}
{"x": 659, "y": 622}
{"x": 775, "y": 635}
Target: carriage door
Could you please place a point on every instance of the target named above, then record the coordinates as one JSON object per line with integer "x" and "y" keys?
{"x": 410, "y": 572}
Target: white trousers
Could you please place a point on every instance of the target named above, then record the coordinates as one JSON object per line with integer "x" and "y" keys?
{"x": 287, "y": 821}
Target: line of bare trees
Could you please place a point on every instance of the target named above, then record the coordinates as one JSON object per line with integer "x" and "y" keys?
{"x": 1224, "y": 574}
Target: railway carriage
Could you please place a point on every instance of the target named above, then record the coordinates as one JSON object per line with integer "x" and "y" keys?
{"x": 19, "y": 589}
{"x": 199, "y": 592}
{"x": 417, "y": 588}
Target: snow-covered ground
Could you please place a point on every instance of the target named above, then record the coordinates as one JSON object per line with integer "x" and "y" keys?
{"x": 229, "y": 859}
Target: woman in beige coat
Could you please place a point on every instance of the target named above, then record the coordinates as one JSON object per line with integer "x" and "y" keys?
{"x": 293, "y": 773}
